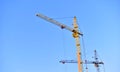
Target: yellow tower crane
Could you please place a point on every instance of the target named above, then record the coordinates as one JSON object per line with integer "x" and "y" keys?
{"x": 76, "y": 34}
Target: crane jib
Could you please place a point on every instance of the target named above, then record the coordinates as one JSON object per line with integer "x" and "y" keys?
{"x": 63, "y": 26}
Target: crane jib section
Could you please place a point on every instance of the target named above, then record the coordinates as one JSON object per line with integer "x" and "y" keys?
{"x": 63, "y": 26}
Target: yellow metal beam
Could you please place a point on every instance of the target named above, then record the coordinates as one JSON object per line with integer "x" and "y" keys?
{"x": 76, "y": 36}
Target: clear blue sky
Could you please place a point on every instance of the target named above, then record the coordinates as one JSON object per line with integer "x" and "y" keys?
{"x": 30, "y": 44}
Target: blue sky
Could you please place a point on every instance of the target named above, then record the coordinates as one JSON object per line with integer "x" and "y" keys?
{"x": 30, "y": 44}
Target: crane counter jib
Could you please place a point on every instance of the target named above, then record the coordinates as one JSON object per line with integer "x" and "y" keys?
{"x": 63, "y": 26}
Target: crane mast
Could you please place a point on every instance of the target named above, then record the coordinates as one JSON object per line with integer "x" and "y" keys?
{"x": 75, "y": 34}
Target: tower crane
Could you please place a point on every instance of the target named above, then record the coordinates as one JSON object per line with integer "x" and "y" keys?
{"x": 96, "y": 62}
{"x": 75, "y": 34}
